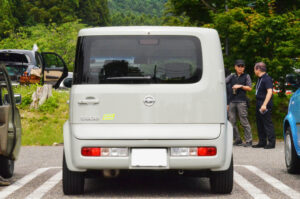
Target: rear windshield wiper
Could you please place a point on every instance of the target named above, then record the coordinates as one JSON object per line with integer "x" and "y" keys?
{"x": 130, "y": 78}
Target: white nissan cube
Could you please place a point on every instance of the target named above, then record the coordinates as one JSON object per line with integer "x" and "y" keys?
{"x": 148, "y": 99}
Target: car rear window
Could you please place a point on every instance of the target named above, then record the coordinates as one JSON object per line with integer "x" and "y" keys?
{"x": 138, "y": 59}
{"x": 13, "y": 57}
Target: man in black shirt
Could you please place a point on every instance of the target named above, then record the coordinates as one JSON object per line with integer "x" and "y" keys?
{"x": 237, "y": 85}
{"x": 264, "y": 104}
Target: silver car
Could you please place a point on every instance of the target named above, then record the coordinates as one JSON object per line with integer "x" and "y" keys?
{"x": 150, "y": 99}
{"x": 49, "y": 67}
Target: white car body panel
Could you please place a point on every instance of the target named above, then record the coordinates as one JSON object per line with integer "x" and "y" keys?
{"x": 146, "y": 131}
{"x": 183, "y": 115}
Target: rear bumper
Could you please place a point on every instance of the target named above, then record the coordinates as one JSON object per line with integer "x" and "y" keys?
{"x": 77, "y": 162}
{"x": 146, "y": 131}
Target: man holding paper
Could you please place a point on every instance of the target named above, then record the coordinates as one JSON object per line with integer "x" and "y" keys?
{"x": 264, "y": 104}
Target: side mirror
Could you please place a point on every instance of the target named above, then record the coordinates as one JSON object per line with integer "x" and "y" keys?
{"x": 68, "y": 82}
{"x": 18, "y": 99}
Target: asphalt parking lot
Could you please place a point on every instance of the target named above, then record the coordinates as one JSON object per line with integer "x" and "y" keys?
{"x": 259, "y": 173}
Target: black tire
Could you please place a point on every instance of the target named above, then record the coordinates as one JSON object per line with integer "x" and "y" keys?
{"x": 73, "y": 182}
{"x": 221, "y": 182}
{"x": 7, "y": 167}
{"x": 292, "y": 161}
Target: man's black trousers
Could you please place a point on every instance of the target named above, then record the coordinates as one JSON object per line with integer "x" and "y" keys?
{"x": 265, "y": 127}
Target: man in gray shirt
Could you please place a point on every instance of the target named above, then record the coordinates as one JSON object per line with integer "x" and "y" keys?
{"x": 240, "y": 83}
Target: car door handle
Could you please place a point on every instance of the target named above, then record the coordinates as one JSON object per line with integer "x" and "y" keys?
{"x": 89, "y": 100}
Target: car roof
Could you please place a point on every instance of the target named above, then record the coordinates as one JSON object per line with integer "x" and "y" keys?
{"x": 144, "y": 30}
{"x": 28, "y": 53}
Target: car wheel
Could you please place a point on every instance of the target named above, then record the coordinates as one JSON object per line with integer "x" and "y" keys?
{"x": 73, "y": 182}
{"x": 222, "y": 181}
{"x": 292, "y": 161}
{"x": 6, "y": 167}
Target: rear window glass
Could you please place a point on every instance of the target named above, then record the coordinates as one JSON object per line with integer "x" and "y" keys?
{"x": 138, "y": 59}
{"x": 13, "y": 57}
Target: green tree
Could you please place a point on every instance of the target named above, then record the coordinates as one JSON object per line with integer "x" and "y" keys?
{"x": 136, "y": 12}
{"x": 7, "y": 20}
{"x": 254, "y": 29}
{"x": 254, "y": 37}
{"x": 93, "y": 12}
{"x": 52, "y": 38}
{"x": 31, "y": 12}
{"x": 201, "y": 12}
{"x": 198, "y": 11}
{"x": 57, "y": 11}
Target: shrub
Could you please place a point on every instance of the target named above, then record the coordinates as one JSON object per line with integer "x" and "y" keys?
{"x": 50, "y": 105}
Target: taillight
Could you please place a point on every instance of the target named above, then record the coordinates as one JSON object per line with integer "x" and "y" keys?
{"x": 193, "y": 151}
{"x": 105, "y": 152}
{"x": 207, "y": 151}
{"x": 91, "y": 151}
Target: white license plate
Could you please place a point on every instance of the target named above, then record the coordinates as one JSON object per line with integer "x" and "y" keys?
{"x": 149, "y": 157}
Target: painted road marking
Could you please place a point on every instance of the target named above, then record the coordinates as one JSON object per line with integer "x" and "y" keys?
{"x": 20, "y": 183}
{"x": 47, "y": 186}
{"x": 274, "y": 182}
{"x": 252, "y": 190}
{"x": 255, "y": 192}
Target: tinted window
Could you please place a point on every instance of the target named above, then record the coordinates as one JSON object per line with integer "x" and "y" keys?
{"x": 13, "y": 57}
{"x": 138, "y": 59}
{"x": 52, "y": 60}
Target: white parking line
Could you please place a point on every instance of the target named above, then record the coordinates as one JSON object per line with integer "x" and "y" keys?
{"x": 44, "y": 188}
{"x": 20, "y": 183}
{"x": 255, "y": 192}
{"x": 274, "y": 182}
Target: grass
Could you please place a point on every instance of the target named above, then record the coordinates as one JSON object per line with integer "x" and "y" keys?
{"x": 44, "y": 126}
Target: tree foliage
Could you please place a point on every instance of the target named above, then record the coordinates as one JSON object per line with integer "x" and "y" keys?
{"x": 16, "y": 13}
{"x": 254, "y": 37}
{"x": 7, "y": 20}
{"x": 261, "y": 30}
{"x": 52, "y": 38}
{"x": 53, "y": 25}
{"x": 136, "y": 12}
{"x": 130, "y": 19}
{"x": 57, "y": 11}
{"x": 195, "y": 10}
{"x": 147, "y": 7}
{"x": 93, "y": 12}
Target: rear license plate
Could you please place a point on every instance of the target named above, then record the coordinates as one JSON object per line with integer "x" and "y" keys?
{"x": 149, "y": 157}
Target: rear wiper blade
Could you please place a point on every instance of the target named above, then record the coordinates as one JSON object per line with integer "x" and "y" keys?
{"x": 130, "y": 78}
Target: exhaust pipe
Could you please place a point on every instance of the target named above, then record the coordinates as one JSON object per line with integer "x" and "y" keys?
{"x": 180, "y": 172}
{"x": 111, "y": 173}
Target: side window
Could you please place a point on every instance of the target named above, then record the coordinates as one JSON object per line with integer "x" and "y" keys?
{"x": 4, "y": 94}
{"x": 54, "y": 69}
{"x": 52, "y": 61}
{"x": 38, "y": 60}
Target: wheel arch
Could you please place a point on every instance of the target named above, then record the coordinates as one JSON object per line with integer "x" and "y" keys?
{"x": 289, "y": 121}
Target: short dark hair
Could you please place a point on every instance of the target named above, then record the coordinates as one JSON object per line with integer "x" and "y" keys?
{"x": 261, "y": 66}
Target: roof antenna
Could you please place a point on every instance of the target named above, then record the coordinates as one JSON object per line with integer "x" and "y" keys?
{"x": 35, "y": 48}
